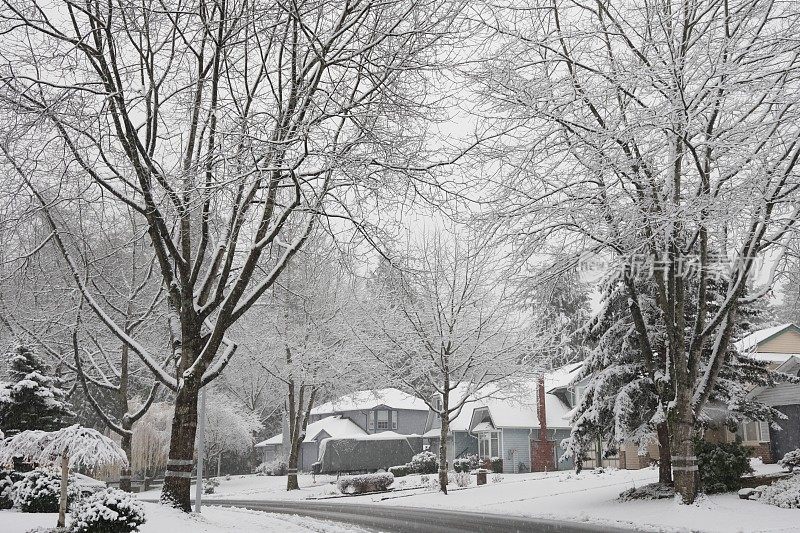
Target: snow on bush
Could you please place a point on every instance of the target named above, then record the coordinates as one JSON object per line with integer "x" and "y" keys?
{"x": 652, "y": 491}
{"x": 39, "y": 491}
{"x": 466, "y": 464}
{"x": 462, "y": 479}
{"x": 365, "y": 483}
{"x": 109, "y": 511}
{"x": 791, "y": 460}
{"x": 400, "y": 471}
{"x": 496, "y": 465}
{"x": 783, "y": 493}
{"x": 7, "y": 479}
{"x": 210, "y": 485}
{"x": 424, "y": 463}
{"x": 277, "y": 467}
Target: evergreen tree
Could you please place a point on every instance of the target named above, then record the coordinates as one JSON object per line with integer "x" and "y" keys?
{"x": 32, "y": 399}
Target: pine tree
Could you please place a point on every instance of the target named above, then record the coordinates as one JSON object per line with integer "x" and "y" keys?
{"x": 32, "y": 400}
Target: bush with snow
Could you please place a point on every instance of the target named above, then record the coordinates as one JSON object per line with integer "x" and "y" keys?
{"x": 277, "y": 467}
{"x": 107, "y": 511}
{"x": 424, "y": 463}
{"x": 7, "y": 480}
{"x": 400, "y": 471}
{"x": 365, "y": 483}
{"x": 466, "y": 464}
{"x": 210, "y": 485}
{"x": 39, "y": 491}
{"x": 496, "y": 465}
{"x": 652, "y": 491}
{"x": 462, "y": 479}
{"x": 791, "y": 460}
{"x": 783, "y": 493}
{"x": 722, "y": 465}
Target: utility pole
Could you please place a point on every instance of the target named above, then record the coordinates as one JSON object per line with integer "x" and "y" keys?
{"x": 201, "y": 450}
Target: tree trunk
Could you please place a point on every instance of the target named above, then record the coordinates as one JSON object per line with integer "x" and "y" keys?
{"x": 125, "y": 473}
{"x": 62, "y": 503}
{"x": 664, "y": 454}
{"x": 443, "y": 442}
{"x": 219, "y": 464}
{"x": 291, "y": 478}
{"x": 178, "y": 477}
{"x": 684, "y": 462}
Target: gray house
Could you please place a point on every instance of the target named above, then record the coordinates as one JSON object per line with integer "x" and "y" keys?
{"x": 354, "y": 415}
{"x": 773, "y": 444}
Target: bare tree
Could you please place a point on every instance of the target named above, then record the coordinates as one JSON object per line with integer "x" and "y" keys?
{"x": 661, "y": 135}
{"x": 444, "y": 325}
{"x": 217, "y": 123}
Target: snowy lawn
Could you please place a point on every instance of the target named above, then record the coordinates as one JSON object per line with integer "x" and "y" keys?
{"x": 212, "y": 520}
{"x": 588, "y": 497}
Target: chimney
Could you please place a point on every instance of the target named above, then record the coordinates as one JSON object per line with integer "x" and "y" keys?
{"x": 542, "y": 449}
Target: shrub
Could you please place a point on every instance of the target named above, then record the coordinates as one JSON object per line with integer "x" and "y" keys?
{"x": 278, "y": 467}
{"x": 209, "y": 485}
{"x": 39, "y": 491}
{"x": 461, "y": 464}
{"x": 497, "y": 478}
{"x": 462, "y": 479}
{"x": 496, "y": 465}
{"x": 7, "y": 480}
{"x": 109, "y": 511}
{"x": 791, "y": 460}
{"x": 424, "y": 463}
{"x": 400, "y": 471}
{"x": 365, "y": 483}
{"x": 652, "y": 491}
{"x": 721, "y": 465}
{"x": 783, "y": 493}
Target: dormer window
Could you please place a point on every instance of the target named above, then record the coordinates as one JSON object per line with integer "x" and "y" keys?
{"x": 384, "y": 420}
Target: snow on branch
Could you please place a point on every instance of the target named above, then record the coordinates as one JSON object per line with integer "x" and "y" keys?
{"x": 85, "y": 447}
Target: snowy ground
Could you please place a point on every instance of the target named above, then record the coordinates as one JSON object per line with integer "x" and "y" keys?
{"x": 212, "y": 520}
{"x": 588, "y": 497}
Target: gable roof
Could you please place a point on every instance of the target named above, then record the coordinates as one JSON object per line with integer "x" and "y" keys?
{"x": 334, "y": 426}
{"x": 520, "y": 411}
{"x": 562, "y": 377}
{"x": 366, "y": 400}
{"x": 750, "y": 342}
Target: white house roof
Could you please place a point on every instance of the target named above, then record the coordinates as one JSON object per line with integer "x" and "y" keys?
{"x": 366, "y": 400}
{"x": 521, "y": 412}
{"x": 334, "y": 426}
{"x": 562, "y": 377}
{"x": 751, "y": 341}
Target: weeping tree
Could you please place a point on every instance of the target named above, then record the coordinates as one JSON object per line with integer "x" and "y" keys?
{"x": 68, "y": 448}
{"x": 226, "y": 128}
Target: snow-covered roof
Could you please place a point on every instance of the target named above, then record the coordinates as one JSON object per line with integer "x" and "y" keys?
{"x": 562, "y": 377}
{"x": 749, "y": 342}
{"x": 334, "y": 426}
{"x": 366, "y": 400}
{"x": 520, "y": 411}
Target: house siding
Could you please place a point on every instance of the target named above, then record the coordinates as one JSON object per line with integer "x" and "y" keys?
{"x": 465, "y": 444}
{"x": 786, "y": 342}
{"x": 788, "y": 438}
{"x": 516, "y": 447}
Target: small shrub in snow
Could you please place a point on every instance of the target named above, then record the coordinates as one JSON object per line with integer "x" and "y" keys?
{"x": 722, "y": 465}
{"x": 652, "y": 491}
{"x": 209, "y": 485}
{"x": 466, "y": 464}
{"x": 39, "y": 491}
{"x": 7, "y": 480}
{"x": 791, "y": 460}
{"x": 107, "y": 511}
{"x": 365, "y": 483}
{"x": 424, "y": 463}
{"x": 424, "y": 479}
{"x": 497, "y": 478}
{"x": 400, "y": 471}
{"x": 496, "y": 465}
{"x": 462, "y": 479}
{"x": 278, "y": 467}
{"x": 783, "y": 493}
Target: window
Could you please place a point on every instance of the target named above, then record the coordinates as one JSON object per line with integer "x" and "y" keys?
{"x": 394, "y": 419}
{"x": 382, "y": 420}
{"x": 578, "y": 394}
{"x": 489, "y": 444}
{"x": 755, "y": 431}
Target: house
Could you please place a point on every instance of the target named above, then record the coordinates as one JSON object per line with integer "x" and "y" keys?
{"x": 780, "y": 347}
{"x": 504, "y": 422}
{"x": 378, "y": 410}
{"x": 331, "y": 426}
{"x": 361, "y": 413}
